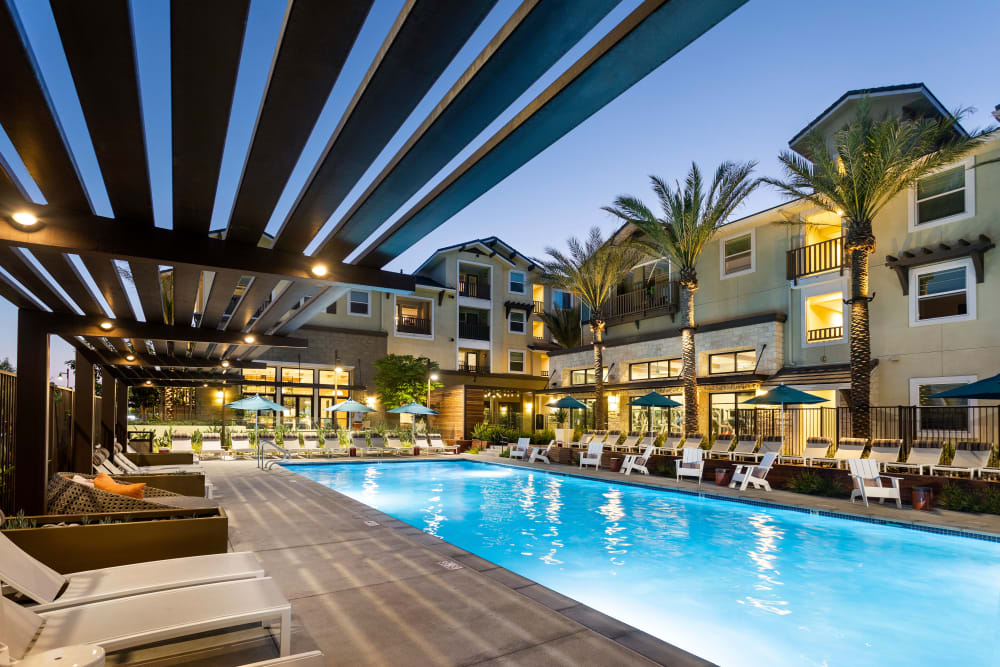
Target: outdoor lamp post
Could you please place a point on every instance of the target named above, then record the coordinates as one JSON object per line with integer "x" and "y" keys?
{"x": 336, "y": 376}
{"x": 221, "y": 397}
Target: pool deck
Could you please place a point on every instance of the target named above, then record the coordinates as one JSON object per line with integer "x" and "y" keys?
{"x": 379, "y": 594}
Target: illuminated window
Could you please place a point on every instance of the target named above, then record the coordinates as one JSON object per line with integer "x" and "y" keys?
{"x": 824, "y": 317}
{"x": 259, "y": 374}
{"x": 342, "y": 378}
{"x": 651, "y": 370}
{"x": 296, "y": 376}
{"x": 732, "y": 362}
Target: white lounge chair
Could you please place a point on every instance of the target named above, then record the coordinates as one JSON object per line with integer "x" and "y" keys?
{"x": 592, "y": 457}
{"x": 520, "y": 449}
{"x": 52, "y": 590}
{"x": 769, "y": 444}
{"x": 585, "y": 439}
{"x": 541, "y": 453}
{"x": 692, "y": 440}
{"x": 180, "y": 444}
{"x": 868, "y": 482}
{"x": 849, "y": 448}
{"x": 438, "y": 443}
{"x": 211, "y": 447}
{"x": 754, "y": 475}
{"x": 241, "y": 445}
{"x": 309, "y": 659}
{"x": 691, "y": 463}
{"x": 885, "y": 451}
{"x": 720, "y": 448}
{"x": 127, "y": 622}
{"x": 744, "y": 448}
{"x": 671, "y": 444}
{"x": 628, "y": 444}
{"x": 638, "y": 461}
{"x": 376, "y": 444}
{"x": 360, "y": 443}
{"x": 970, "y": 457}
{"x": 123, "y": 465}
{"x": 395, "y": 445}
{"x": 816, "y": 448}
{"x": 923, "y": 454}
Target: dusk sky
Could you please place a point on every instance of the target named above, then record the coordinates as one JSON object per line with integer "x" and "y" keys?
{"x": 740, "y": 92}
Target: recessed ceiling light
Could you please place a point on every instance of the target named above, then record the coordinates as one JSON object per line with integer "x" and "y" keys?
{"x": 24, "y": 218}
{"x": 319, "y": 270}
{"x": 225, "y": 363}
{"x": 205, "y": 385}
{"x": 106, "y": 325}
{"x": 249, "y": 338}
{"x": 149, "y": 382}
{"x": 129, "y": 357}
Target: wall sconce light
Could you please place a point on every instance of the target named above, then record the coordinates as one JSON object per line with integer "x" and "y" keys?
{"x": 613, "y": 402}
{"x": 129, "y": 357}
{"x": 528, "y": 407}
{"x": 370, "y": 401}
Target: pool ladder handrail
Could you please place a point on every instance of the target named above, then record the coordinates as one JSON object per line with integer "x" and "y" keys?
{"x": 270, "y": 463}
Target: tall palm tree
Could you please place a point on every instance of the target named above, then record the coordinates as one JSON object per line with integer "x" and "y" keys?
{"x": 564, "y": 325}
{"x": 690, "y": 216}
{"x": 856, "y": 172}
{"x": 591, "y": 269}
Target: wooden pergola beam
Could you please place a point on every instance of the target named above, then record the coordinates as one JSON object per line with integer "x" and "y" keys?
{"x": 151, "y": 361}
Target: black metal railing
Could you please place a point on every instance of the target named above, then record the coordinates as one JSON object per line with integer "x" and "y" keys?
{"x": 815, "y": 258}
{"x": 657, "y": 298}
{"x": 477, "y": 289}
{"x": 473, "y": 331}
{"x": 413, "y": 325}
{"x": 479, "y": 367}
{"x": 539, "y": 307}
{"x": 944, "y": 424}
{"x": 826, "y": 333}
{"x": 543, "y": 373}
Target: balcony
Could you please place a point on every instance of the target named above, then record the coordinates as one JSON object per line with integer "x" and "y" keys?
{"x": 539, "y": 307}
{"x": 826, "y": 333}
{"x": 473, "y": 331}
{"x": 472, "y": 287}
{"x": 815, "y": 258}
{"x": 658, "y": 298}
{"x": 408, "y": 324}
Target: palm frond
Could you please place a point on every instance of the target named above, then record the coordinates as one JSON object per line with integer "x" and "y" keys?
{"x": 564, "y": 325}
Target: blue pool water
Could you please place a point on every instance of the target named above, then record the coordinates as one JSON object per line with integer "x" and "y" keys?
{"x": 737, "y": 584}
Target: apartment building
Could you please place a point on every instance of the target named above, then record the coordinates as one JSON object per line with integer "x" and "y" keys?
{"x": 770, "y": 306}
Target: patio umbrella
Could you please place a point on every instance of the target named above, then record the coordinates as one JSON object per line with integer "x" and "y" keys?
{"x": 413, "y": 409}
{"x": 349, "y": 406}
{"x": 985, "y": 389}
{"x": 783, "y": 395}
{"x": 568, "y": 402}
{"x": 255, "y": 404}
{"x": 654, "y": 399}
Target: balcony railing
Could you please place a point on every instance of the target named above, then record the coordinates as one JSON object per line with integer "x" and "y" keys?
{"x": 815, "y": 258}
{"x": 476, "y": 289}
{"x": 826, "y": 333}
{"x": 539, "y": 307}
{"x": 480, "y": 367}
{"x": 410, "y": 324}
{"x": 473, "y": 331}
{"x": 658, "y": 298}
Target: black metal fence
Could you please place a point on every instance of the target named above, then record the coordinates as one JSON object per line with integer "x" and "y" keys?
{"x": 948, "y": 425}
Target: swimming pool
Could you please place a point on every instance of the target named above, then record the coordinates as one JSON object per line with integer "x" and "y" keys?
{"x": 737, "y": 584}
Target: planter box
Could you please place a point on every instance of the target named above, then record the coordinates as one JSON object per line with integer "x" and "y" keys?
{"x": 95, "y": 546}
{"x": 186, "y": 484}
{"x": 463, "y": 445}
{"x": 171, "y": 459}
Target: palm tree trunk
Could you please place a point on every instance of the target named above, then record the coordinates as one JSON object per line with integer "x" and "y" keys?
{"x": 860, "y": 340}
{"x": 597, "y": 328}
{"x": 689, "y": 359}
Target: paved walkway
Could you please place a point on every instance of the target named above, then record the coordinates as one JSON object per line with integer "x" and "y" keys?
{"x": 379, "y": 594}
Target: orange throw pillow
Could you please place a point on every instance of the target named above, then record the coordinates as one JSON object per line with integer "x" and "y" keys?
{"x": 105, "y": 483}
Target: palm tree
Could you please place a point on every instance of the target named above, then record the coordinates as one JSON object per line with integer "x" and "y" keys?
{"x": 564, "y": 325}
{"x": 591, "y": 269}
{"x": 867, "y": 163}
{"x": 690, "y": 216}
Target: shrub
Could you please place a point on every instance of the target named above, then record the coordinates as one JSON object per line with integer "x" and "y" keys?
{"x": 302, "y": 440}
{"x": 481, "y": 431}
{"x": 814, "y": 484}
{"x": 543, "y": 437}
{"x": 966, "y": 499}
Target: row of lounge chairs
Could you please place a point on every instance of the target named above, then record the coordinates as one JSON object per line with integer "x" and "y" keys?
{"x": 123, "y": 607}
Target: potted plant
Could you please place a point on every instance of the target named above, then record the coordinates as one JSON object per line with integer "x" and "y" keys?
{"x": 480, "y": 435}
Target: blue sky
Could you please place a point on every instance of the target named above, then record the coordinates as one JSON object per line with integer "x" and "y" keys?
{"x": 740, "y": 92}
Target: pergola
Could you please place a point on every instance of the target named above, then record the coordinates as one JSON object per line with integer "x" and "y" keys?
{"x": 204, "y": 306}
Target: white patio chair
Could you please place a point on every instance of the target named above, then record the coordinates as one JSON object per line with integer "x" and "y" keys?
{"x": 125, "y": 622}
{"x": 923, "y": 454}
{"x": 592, "y": 457}
{"x": 885, "y": 451}
{"x": 359, "y": 442}
{"x": 970, "y": 457}
{"x": 52, "y": 590}
{"x": 816, "y": 448}
{"x": 847, "y": 449}
{"x": 438, "y": 443}
{"x": 638, "y": 462}
{"x": 868, "y": 482}
{"x": 754, "y": 475}
{"x": 671, "y": 444}
{"x": 541, "y": 453}
{"x": 691, "y": 463}
{"x": 628, "y": 444}
{"x": 520, "y": 449}
{"x": 744, "y": 449}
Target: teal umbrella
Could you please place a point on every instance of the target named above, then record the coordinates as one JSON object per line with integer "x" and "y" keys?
{"x": 654, "y": 399}
{"x": 570, "y": 403}
{"x": 783, "y": 395}
{"x": 413, "y": 409}
{"x": 349, "y": 406}
{"x": 986, "y": 389}
{"x": 255, "y": 404}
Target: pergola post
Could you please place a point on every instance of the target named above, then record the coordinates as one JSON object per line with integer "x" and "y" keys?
{"x": 83, "y": 416}
{"x": 108, "y": 413}
{"x": 121, "y": 412}
{"x": 32, "y": 422}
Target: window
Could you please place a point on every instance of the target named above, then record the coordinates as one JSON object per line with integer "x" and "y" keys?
{"x": 516, "y": 283}
{"x": 582, "y": 376}
{"x": 732, "y": 362}
{"x": 664, "y": 419}
{"x": 296, "y": 376}
{"x": 651, "y": 370}
{"x": 332, "y": 377}
{"x": 561, "y": 299}
{"x": 944, "y": 196}
{"x": 358, "y": 303}
{"x": 941, "y": 414}
{"x": 824, "y": 317}
{"x": 515, "y": 322}
{"x": 515, "y": 361}
{"x": 941, "y": 293}
{"x": 737, "y": 254}
{"x": 413, "y": 316}
{"x": 259, "y": 374}
{"x": 724, "y": 408}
